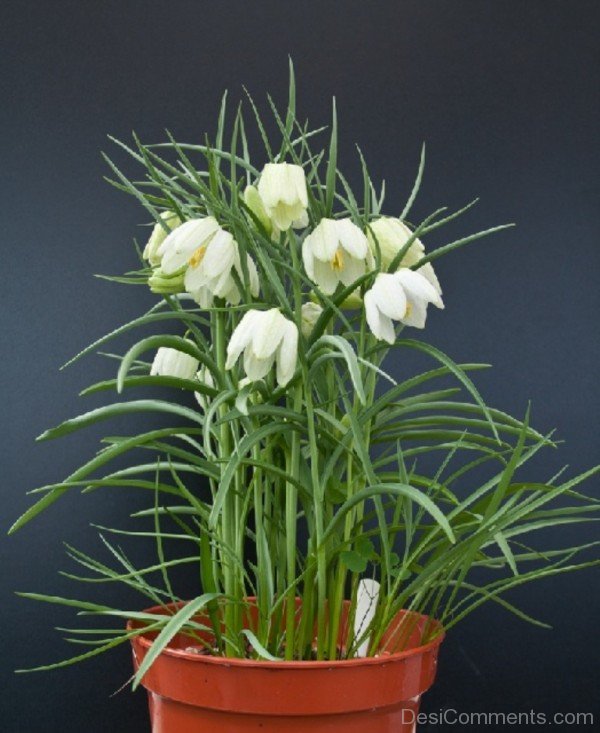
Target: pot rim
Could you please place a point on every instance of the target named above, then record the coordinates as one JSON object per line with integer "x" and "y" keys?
{"x": 145, "y": 642}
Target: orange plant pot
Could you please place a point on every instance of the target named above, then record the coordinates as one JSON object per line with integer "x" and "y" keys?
{"x": 191, "y": 693}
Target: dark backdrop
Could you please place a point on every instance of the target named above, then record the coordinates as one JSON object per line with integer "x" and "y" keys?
{"x": 506, "y": 96}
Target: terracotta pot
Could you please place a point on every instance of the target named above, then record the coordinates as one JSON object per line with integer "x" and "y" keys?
{"x": 191, "y": 693}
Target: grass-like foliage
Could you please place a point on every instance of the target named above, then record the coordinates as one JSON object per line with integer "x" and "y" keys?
{"x": 302, "y": 467}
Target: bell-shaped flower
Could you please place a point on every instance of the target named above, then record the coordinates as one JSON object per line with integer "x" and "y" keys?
{"x": 310, "y": 313}
{"x": 400, "y": 296}
{"x": 173, "y": 363}
{"x": 158, "y": 236}
{"x": 210, "y": 271}
{"x": 336, "y": 251}
{"x": 265, "y": 338}
{"x": 208, "y": 255}
{"x": 282, "y": 189}
{"x": 184, "y": 242}
{"x": 391, "y": 235}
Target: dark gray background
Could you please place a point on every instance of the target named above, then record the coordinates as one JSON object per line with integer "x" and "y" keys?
{"x": 506, "y": 96}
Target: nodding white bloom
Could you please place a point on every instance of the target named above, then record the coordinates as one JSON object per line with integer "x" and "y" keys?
{"x": 173, "y": 363}
{"x": 265, "y": 337}
{"x": 392, "y": 234}
{"x": 336, "y": 251}
{"x": 309, "y": 316}
{"x": 209, "y": 255}
{"x": 158, "y": 236}
{"x": 210, "y": 269}
{"x": 282, "y": 188}
{"x": 399, "y": 296}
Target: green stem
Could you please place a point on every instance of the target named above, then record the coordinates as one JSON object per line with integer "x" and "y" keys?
{"x": 227, "y": 527}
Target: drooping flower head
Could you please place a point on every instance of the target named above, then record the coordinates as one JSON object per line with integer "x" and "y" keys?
{"x": 309, "y": 317}
{"x": 282, "y": 189}
{"x": 265, "y": 338}
{"x": 336, "y": 251}
{"x": 209, "y": 256}
{"x": 391, "y": 235}
{"x": 173, "y": 363}
{"x": 158, "y": 236}
{"x": 400, "y": 296}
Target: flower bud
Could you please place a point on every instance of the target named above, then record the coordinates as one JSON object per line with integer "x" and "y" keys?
{"x": 164, "y": 284}
{"x": 254, "y": 202}
{"x": 158, "y": 236}
{"x": 310, "y": 315}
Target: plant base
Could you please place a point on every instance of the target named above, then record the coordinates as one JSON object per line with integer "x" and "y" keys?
{"x": 191, "y": 693}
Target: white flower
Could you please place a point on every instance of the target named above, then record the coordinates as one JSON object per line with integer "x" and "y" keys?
{"x": 282, "y": 188}
{"x": 336, "y": 251}
{"x": 182, "y": 243}
{"x": 399, "y": 296}
{"x": 392, "y": 234}
{"x": 210, "y": 270}
{"x": 265, "y": 337}
{"x": 209, "y": 254}
{"x": 173, "y": 363}
{"x": 158, "y": 236}
{"x": 310, "y": 315}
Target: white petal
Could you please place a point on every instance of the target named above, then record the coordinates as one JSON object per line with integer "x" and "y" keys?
{"x": 325, "y": 277}
{"x": 416, "y": 314}
{"x": 381, "y": 326}
{"x": 287, "y": 355}
{"x": 352, "y": 270}
{"x": 241, "y": 336}
{"x": 174, "y": 363}
{"x": 301, "y": 222}
{"x": 268, "y": 333}
{"x": 324, "y": 240}
{"x": 257, "y": 368}
{"x": 308, "y": 259}
{"x": 181, "y": 243}
{"x": 417, "y": 286}
{"x": 299, "y": 182}
{"x": 202, "y": 296}
{"x": 390, "y": 296}
{"x": 253, "y": 276}
{"x": 220, "y": 254}
{"x": 352, "y": 239}
{"x": 284, "y": 214}
{"x": 157, "y": 362}
{"x": 270, "y": 184}
{"x": 429, "y": 273}
{"x": 193, "y": 279}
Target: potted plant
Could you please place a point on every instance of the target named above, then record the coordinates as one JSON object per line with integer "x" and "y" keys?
{"x": 339, "y": 520}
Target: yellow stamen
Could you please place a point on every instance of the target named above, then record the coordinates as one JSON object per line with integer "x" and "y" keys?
{"x": 198, "y": 256}
{"x": 408, "y": 310}
{"x": 338, "y": 259}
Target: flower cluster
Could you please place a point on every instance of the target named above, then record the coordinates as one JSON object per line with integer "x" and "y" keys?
{"x": 204, "y": 259}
